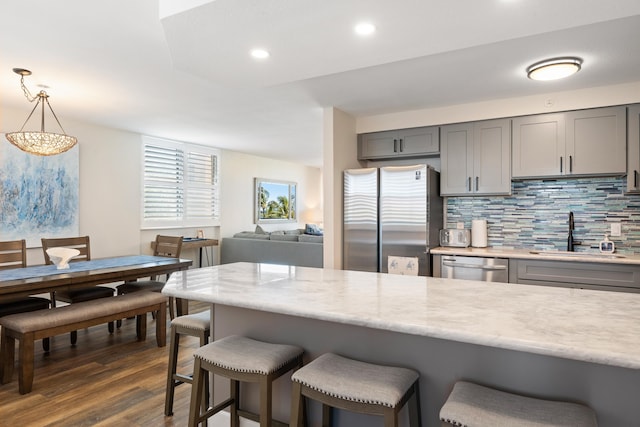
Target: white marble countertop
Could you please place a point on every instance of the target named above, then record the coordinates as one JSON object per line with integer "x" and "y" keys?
{"x": 504, "y": 252}
{"x": 594, "y": 326}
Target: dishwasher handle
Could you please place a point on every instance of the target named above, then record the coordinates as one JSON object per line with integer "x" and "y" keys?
{"x": 477, "y": 267}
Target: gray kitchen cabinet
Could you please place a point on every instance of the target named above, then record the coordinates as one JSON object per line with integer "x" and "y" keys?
{"x": 538, "y": 145}
{"x": 633, "y": 148}
{"x": 592, "y": 275}
{"x": 576, "y": 143}
{"x": 597, "y": 141}
{"x": 413, "y": 142}
{"x": 475, "y": 158}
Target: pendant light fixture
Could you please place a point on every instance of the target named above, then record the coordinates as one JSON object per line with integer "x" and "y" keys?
{"x": 553, "y": 69}
{"x": 40, "y": 143}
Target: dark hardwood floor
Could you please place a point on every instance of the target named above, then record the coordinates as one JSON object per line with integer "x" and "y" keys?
{"x": 105, "y": 380}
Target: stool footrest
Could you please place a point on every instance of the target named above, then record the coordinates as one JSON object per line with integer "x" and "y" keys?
{"x": 212, "y": 411}
{"x": 256, "y": 418}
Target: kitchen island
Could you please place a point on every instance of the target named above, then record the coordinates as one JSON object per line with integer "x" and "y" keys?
{"x": 558, "y": 343}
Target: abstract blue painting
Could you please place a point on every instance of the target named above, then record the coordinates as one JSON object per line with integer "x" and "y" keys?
{"x": 38, "y": 195}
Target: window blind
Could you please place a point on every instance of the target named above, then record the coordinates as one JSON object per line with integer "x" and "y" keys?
{"x": 180, "y": 184}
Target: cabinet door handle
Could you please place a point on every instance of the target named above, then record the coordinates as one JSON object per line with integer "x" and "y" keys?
{"x": 477, "y": 180}
{"x": 570, "y": 164}
{"x": 401, "y": 145}
{"x": 395, "y": 145}
{"x": 560, "y": 164}
{"x": 469, "y": 183}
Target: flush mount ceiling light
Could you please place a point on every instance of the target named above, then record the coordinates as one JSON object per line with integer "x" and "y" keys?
{"x": 553, "y": 69}
{"x": 259, "y": 53}
{"x": 39, "y": 143}
{"x": 365, "y": 29}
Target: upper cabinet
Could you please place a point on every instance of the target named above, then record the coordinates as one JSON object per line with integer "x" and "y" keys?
{"x": 633, "y": 156}
{"x": 538, "y": 145}
{"x": 577, "y": 143}
{"x": 475, "y": 158}
{"x": 414, "y": 142}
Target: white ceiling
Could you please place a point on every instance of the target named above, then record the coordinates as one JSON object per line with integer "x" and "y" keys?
{"x": 188, "y": 76}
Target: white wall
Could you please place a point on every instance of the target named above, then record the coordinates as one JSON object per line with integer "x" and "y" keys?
{"x": 239, "y": 171}
{"x": 339, "y": 153}
{"x": 110, "y": 187}
{"x": 509, "y": 107}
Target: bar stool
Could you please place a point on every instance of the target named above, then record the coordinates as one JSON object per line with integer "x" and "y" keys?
{"x": 241, "y": 359}
{"x": 195, "y": 325}
{"x": 473, "y": 404}
{"x": 338, "y": 382}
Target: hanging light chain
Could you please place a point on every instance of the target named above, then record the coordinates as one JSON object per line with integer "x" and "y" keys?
{"x": 27, "y": 94}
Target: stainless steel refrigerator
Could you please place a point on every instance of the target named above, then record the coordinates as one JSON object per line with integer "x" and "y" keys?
{"x": 390, "y": 211}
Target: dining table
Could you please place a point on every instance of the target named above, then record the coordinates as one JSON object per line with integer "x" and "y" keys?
{"x": 21, "y": 282}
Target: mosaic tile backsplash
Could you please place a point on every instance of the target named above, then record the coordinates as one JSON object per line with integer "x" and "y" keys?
{"x": 536, "y": 215}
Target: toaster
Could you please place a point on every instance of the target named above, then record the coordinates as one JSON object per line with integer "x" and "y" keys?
{"x": 454, "y": 237}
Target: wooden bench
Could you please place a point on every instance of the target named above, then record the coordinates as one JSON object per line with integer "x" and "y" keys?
{"x": 31, "y": 326}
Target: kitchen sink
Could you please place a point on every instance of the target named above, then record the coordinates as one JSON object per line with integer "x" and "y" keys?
{"x": 594, "y": 255}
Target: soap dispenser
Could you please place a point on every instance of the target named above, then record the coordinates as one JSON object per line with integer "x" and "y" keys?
{"x": 607, "y": 246}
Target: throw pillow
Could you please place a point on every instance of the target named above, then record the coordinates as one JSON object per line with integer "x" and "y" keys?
{"x": 259, "y": 230}
{"x": 313, "y": 230}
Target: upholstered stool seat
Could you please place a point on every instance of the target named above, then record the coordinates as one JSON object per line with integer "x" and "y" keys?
{"x": 339, "y": 382}
{"x": 479, "y": 406}
{"x": 241, "y": 359}
{"x": 195, "y": 325}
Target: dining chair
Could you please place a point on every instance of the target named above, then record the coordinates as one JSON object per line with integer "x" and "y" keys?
{"x": 13, "y": 254}
{"x": 71, "y": 296}
{"x": 165, "y": 246}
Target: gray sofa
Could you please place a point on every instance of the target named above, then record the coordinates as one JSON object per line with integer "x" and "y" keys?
{"x": 291, "y": 247}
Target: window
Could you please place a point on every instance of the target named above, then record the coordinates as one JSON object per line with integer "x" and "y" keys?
{"x": 180, "y": 184}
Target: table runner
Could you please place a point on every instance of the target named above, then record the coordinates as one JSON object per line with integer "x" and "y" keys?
{"x": 75, "y": 267}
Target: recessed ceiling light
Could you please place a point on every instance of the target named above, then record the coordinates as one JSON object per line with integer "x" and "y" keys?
{"x": 259, "y": 53}
{"x": 365, "y": 29}
{"x": 553, "y": 69}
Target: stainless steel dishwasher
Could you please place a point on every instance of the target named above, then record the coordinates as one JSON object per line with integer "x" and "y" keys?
{"x": 474, "y": 268}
